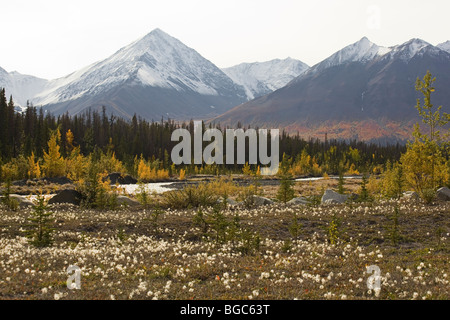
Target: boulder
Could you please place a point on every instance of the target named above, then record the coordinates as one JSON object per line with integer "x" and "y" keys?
{"x": 118, "y": 178}
{"x": 125, "y": 201}
{"x": 331, "y": 196}
{"x": 59, "y": 180}
{"x": 354, "y": 196}
{"x": 411, "y": 195}
{"x": 331, "y": 201}
{"x": 129, "y": 180}
{"x": 261, "y": 201}
{"x": 42, "y": 181}
{"x": 113, "y": 178}
{"x": 298, "y": 201}
{"x": 443, "y": 194}
{"x": 231, "y": 202}
{"x": 67, "y": 196}
{"x": 21, "y": 201}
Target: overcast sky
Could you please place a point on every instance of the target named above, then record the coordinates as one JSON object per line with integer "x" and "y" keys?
{"x": 52, "y": 38}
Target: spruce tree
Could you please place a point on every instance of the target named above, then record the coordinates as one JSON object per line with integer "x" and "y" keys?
{"x": 3, "y": 123}
{"x": 341, "y": 181}
{"x": 40, "y": 229}
{"x": 364, "y": 193}
{"x": 286, "y": 191}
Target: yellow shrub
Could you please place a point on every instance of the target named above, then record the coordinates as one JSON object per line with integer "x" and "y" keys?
{"x": 162, "y": 174}
{"x": 146, "y": 173}
{"x": 352, "y": 170}
{"x": 374, "y": 185}
{"x": 246, "y": 170}
{"x": 223, "y": 186}
{"x": 111, "y": 164}
{"x": 316, "y": 170}
{"x": 182, "y": 174}
{"x": 77, "y": 165}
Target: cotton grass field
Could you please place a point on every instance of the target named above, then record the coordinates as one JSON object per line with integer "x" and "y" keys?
{"x": 282, "y": 253}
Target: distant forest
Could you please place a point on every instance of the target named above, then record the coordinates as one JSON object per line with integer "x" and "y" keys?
{"x": 96, "y": 132}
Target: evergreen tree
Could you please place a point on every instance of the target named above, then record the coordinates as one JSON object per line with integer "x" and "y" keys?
{"x": 341, "y": 182}
{"x": 286, "y": 191}
{"x": 364, "y": 193}
{"x": 40, "y": 228}
{"x": 3, "y": 123}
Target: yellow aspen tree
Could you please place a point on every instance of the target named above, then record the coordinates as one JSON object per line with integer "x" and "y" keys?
{"x": 144, "y": 171}
{"x": 34, "y": 170}
{"x": 424, "y": 165}
{"x": 53, "y": 161}
{"x": 69, "y": 141}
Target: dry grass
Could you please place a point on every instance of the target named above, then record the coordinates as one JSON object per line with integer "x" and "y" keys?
{"x": 37, "y": 188}
{"x": 308, "y": 188}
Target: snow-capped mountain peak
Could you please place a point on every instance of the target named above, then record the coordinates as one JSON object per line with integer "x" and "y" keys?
{"x": 156, "y": 60}
{"x": 22, "y": 87}
{"x": 260, "y": 78}
{"x": 409, "y": 49}
{"x": 444, "y": 46}
{"x": 361, "y": 51}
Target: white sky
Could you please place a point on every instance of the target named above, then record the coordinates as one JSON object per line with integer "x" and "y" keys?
{"x": 52, "y": 38}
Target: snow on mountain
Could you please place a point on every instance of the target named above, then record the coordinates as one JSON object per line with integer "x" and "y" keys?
{"x": 21, "y": 87}
{"x": 158, "y": 75}
{"x": 363, "y": 91}
{"x": 156, "y": 60}
{"x": 363, "y": 50}
{"x": 444, "y": 46}
{"x": 409, "y": 49}
{"x": 260, "y": 78}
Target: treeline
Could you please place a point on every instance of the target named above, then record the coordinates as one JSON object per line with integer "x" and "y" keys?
{"x": 25, "y": 139}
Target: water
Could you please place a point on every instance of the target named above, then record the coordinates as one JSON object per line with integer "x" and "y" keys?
{"x": 320, "y": 178}
{"x": 156, "y": 187}
{"x": 33, "y": 198}
{"x": 161, "y": 187}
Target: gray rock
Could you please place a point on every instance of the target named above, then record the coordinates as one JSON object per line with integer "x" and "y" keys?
{"x": 67, "y": 196}
{"x": 43, "y": 181}
{"x": 261, "y": 201}
{"x": 122, "y": 200}
{"x": 21, "y": 200}
{"x": 231, "y": 202}
{"x": 334, "y": 196}
{"x": 118, "y": 178}
{"x": 411, "y": 195}
{"x": 298, "y": 201}
{"x": 443, "y": 194}
{"x": 354, "y": 196}
{"x": 331, "y": 201}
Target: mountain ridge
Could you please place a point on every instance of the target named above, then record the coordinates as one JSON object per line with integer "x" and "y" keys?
{"x": 156, "y": 63}
{"x": 158, "y": 76}
{"x": 163, "y": 72}
{"x": 350, "y": 91}
{"x": 260, "y": 78}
